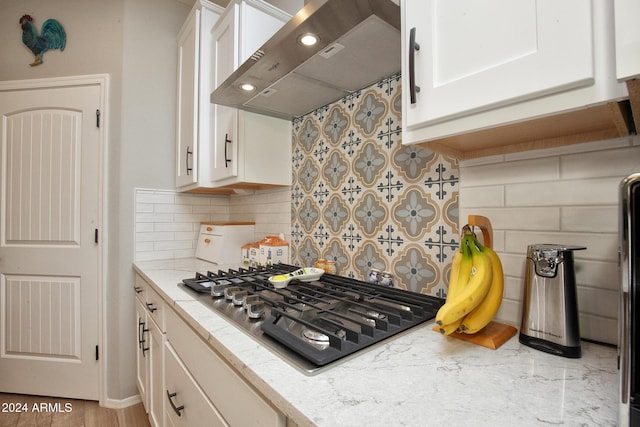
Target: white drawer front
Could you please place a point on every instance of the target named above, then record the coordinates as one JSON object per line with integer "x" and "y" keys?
{"x": 230, "y": 394}
{"x": 140, "y": 288}
{"x": 155, "y": 307}
{"x": 185, "y": 403}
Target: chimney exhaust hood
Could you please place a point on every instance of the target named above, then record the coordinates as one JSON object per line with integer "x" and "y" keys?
{"x": 359, "y": 43}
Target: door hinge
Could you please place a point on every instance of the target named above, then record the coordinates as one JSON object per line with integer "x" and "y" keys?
{"x": 98, "y": 118}
{"x": 95, "y": 235}
{"x": 97, "y": 354}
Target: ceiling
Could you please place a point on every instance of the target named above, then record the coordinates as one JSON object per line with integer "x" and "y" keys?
{"x": 289, "y": 6}
{"x": 223, "y": 3}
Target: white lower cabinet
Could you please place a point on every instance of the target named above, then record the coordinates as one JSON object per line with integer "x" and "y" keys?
{"x": 182, "y": 381}
{"x": 142, "y": 367}
{"x": 149, "y": 354}
{"x": 186, "y": 403}
{"x": 156, "y": 385}
{"x": 223, "y": 387}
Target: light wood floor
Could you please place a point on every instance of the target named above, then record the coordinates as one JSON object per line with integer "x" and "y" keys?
{"x": 17, "y": 410}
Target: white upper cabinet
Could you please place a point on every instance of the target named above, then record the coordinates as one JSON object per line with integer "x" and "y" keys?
{"x": 218, "y": 148}
{"x": 627, "y": 39}
{"x": 470, "y": 65}
{"x": 194, "y": 111}
{"x": 248, "y": 150}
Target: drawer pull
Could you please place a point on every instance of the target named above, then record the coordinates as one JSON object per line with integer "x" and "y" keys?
{"x": 141, "y": 340}
{"x": 207, "y": 241}
{"x": 176, "y": 409}
{"x": 152, "y": 308}
{"x": 209, "y": 229}
{"x": 138, "y": 289}
{"x": 140, "y": 329}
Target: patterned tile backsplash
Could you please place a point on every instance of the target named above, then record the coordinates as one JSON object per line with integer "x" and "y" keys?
{"x": 362, "y": 199}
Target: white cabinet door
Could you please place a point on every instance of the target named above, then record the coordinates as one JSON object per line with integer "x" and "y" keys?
{"x": 236, "y": 36}
{"x": 156, "y": 375}
{"x": 187, "y": 124}
{"x": 194, "y": 110}
{"x": 225, "y": 60}
{"x": 222, "y": 385}
{"x": 475, "y": 56}
{"x": 142, "y": 367}
{"x": 185, "y": 403}
{"x": 627, "y": 39}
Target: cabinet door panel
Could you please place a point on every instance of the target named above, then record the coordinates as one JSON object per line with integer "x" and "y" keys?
{"x": 181, "y": 391}
{"x": 156, "y": 383}
{"x": 627, "y": 38}
{"x": 223, "y": 386}
{"x": 142, "y": 367}
{"x": 475, "y": 56}
{"x": 186, "y": 155}
{"x": 225, "y": 60}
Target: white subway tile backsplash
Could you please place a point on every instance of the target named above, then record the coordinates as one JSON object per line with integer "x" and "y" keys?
{"x": 489, "y": 196}
{"x": 144, "y": 207}
{"x": 146, "y": 227}
{"x": 598, "y": 328}
{"x": 192, "y": 217}
{"x": 597, "y": 302}
{"x": 153, "y": 217}
{"x": 600, "y": 246}
{"x": 176, "y": 226}
{"x": 172, "y": 244}
{"x": 600, "y": 274}
{"x": 172, "y": 208}
{"x": 154, "y": 236}
{"x": 154, "y": 198}
{"x": 525, "y": 219}
{"x": 613, "y": 162}
{"x": 597, "y": 219}
{"x": 168, "y": 223}
{"x": 512, "y": 172}
{"x": 565, "y": 195}
{"x": 569, "y": 149}
{"x": 513, "y": 288}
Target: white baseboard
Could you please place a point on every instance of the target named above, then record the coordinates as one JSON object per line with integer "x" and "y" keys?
{"x": 123, "y": 403}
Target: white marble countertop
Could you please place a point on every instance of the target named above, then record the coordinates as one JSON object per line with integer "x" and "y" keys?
{"x": 418, "y": 379}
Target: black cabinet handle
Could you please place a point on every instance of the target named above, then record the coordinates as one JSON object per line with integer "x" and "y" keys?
{"x": 189, "y": 152}
{"x": 152, "y": 308}
{"x": 138, "y": 289}
{"x": 413, "y": 47}
{"x": 140, "y": 329}
{"x": 141, "y": 340}
{"x": 176, "y": 409}
{"x": 226, "y": 159}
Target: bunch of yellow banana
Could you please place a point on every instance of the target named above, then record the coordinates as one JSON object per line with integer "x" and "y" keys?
{"x": 475, "y": 289}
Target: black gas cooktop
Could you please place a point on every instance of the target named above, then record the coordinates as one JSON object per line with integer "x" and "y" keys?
{"x": 311, "y": 324}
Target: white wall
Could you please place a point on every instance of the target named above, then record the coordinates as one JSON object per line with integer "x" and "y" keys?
{"x": 147, "y": 152}
{"x": 566, "y": 195}
{"x": 134, "y": 42}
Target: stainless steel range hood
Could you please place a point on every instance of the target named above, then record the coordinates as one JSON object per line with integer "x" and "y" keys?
{"x": 359, "y": 44}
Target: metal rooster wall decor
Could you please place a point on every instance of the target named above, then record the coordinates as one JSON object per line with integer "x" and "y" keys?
{"x": 52, "y": 36}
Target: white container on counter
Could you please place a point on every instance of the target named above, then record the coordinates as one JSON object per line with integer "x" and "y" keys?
{"x": 220, "y": 242}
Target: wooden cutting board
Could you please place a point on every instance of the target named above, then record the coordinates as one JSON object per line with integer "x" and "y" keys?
{"x": 491, "y": 336}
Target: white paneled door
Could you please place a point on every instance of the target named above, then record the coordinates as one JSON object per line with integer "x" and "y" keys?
{"x": 50, "y": 243}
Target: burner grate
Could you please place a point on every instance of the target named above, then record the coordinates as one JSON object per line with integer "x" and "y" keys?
{"x": 311, "y": 324}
